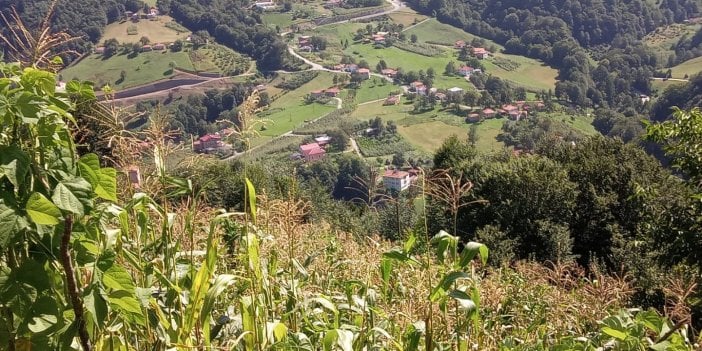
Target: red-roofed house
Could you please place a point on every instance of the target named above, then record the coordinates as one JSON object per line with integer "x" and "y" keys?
{"x": 473, "y": 118}
{"x": 389, "y": 72}
{"x": 316, "y": 93}
{"x": 480, "y": 53}
{"x": 332, "y": 92}
{"x": 312, "y": 152}
{"x": 207, "y": 142}
{"x": 364, "y": 73}
{"x": 146, "y": 48}
{"x": 460, "y": 44}
{"x": 392, "y": 100}
{"x": 159, "y": 46}
{"x": 466, "y": 71}
{"x": 488, "y": 113}
{"x": 396, "y": 180}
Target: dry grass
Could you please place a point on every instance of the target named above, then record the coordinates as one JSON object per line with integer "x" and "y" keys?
{"x": 155, "y": 30}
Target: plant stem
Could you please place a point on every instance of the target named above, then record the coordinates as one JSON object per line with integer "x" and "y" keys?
{"x": 71, "y": 285}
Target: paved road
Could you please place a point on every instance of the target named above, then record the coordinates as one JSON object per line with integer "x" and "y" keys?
{"x": 672, "y": 79}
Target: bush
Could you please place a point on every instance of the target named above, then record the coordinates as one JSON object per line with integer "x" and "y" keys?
{"x": 297, "y": 80}
{"x": 391, "y": 144}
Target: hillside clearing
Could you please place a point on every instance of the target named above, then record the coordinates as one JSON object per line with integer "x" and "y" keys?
{"x": 144, "y": 68}
{"x": 156, "y": 30}
{"x": 689, "y": 68}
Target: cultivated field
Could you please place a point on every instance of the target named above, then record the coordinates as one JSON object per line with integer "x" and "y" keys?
{"x": 157, "y": 31}
{"x": 144, "y": 68}
{"x": 428, "y": 130}
{"x": 219, "y": 58}
{"x": 663, "y": 38}
{"x": 406, "y": 17}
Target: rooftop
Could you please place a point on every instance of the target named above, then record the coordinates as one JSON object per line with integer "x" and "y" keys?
{"x": 393, "y": 173}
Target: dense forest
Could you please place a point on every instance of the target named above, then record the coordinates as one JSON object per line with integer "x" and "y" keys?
{"x": 85, "y": 19}
{"x": 232, "y": 24}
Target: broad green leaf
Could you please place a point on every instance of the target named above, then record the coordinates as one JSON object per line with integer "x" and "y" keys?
{"x": 445, "y": 244}
{"x": 14, "y": 164}
{"x": 117, "y": 278}
{"x": 107, "y": 188}
{"x": 73, "y": 196}
{"x": 11, "y": 223}
{"x": 127, "y": 303}
{"x": 251, "y": 196}
{"x": 44, "y": 316}
{"x": 445, "y": 284}
{"x": 42, "y": 211}
{"x": 328, "y": 305}
{"x": 96, "y": 305}
{"x": 617, "y": 334}
{"x": 103, "y": 180}
{"x": 276, "y": 332}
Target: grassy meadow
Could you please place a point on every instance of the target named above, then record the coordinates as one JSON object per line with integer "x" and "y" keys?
{"x": 290, "y": 110}
{"x": 144, "y": 68}
{"x": 157, "y": 31}
{"x": 688, "y": 68}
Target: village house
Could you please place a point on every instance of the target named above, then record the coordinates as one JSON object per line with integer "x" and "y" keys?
{"x": 488, "y": 113}
{"x": 323, "y": 140}
{"x": 332, "y": 92}
{"x": 363, "y": 73}
{"x": 389, "y": 72}
{"x": 159, "y": 46}
{"x": 100, "y": 50}
{"x": 460, "y": 44}
{"x": 466, "y": 71}
{"x": 396, "y": 180}
{"x": 351, "y": 68}
{"x": 379, "y": 39}
{"x": 146, "y": 48}
{"x": 418, "y": 87}
{"x": 265, "y": 5}
{"x": 312, "y": 152}
{"x": 207, "y": 142}
{"x": 392, "y": 100}
{"x": 339, "y": 67}
{"x": 480, "y": 53}
{"x": 153, "y": 13}
{"x": 316, "y": 94}
{"x": 303, "y": 40}
{"x": 473, "y": 118}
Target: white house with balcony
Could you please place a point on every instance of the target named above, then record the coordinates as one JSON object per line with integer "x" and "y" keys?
{"x": 396, "y": 180}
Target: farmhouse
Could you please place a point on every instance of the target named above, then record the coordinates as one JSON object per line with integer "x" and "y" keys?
{"x": 363, "y": 73}
{"x": 207, "y": 142}
{"x": 265, "y": 5}
{"x": 466, "y": 71}
{"x": 351, "y": 68}
{"x": 146, "y": 48}
{"x": 159, "y": 46}
{"x": 480, "y": 53}
{"x": 100, "y": 50}
{"x": 332, "y": 92}
{"x": 312, "y": 152}
{"x": 322, "y": 140}
{"x": 473, "y": 118}
{"x": 392, "y": 100}
{"x": 396, "y": 180}
{"x": 316, "y": 93}
{"x": 488, "y": 113}
{"x": 460, "y": 44}
{"x": 153, "y": 13}
{"x": 389, "y": 72}
{"x": 303, "y": 40}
